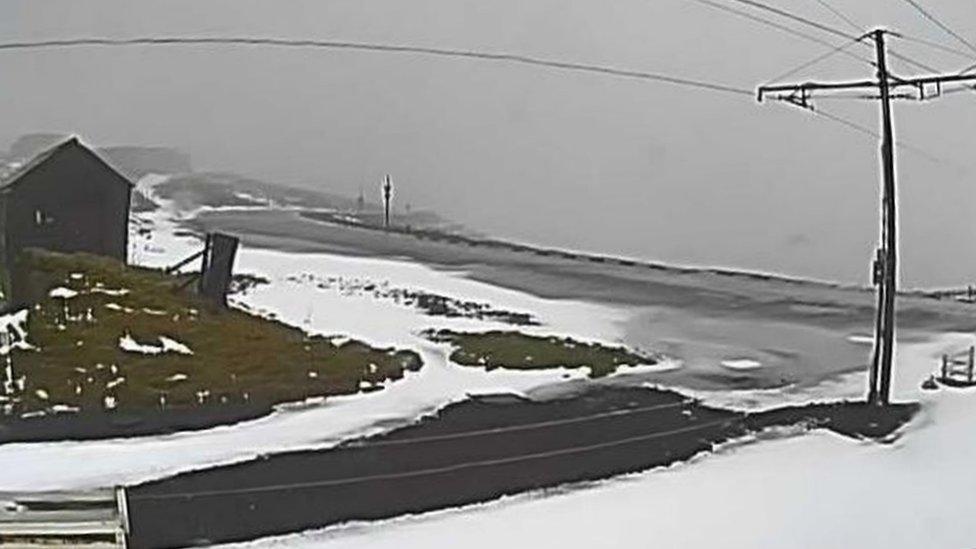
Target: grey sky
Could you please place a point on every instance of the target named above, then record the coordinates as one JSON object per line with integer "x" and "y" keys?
{"x": 579, "y": 160}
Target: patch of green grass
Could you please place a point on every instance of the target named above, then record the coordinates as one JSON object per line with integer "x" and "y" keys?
{"x": 237, "y": 358}
{"x": 515, "y": 350}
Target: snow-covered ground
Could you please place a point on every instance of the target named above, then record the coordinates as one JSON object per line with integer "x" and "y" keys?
{"x": 40, "y": 466}
{"x": 817, "y": 490}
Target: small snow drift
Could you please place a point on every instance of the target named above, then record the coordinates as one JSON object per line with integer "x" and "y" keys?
{"x": 166, "y": 345}
{"x": 62, "y": 293}
{"x": 861, "y": 339}
{"x": 173, "y": 346}
{"x": 741, "y": 364}
{"x": 664, "y": 365}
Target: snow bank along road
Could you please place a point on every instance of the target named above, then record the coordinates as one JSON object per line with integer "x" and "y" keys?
{"x": 472, "y": 451}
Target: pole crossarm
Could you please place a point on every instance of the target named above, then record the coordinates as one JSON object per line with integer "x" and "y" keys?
{"x": 802, "y": 93}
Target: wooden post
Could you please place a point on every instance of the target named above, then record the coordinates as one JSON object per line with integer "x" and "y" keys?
{"x": 945, "y": 367}
{"x": 218, "y": 267}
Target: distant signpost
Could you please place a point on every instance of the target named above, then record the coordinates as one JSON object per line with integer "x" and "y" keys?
{"x": 387, "y": 196}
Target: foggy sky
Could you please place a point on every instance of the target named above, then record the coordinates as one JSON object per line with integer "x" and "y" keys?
{"x": 585, "y": 161}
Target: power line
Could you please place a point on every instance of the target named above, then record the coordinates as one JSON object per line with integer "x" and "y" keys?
{"x": 442, "y": 52}
{"x": 815, "y": 60}
{"x": 831, "y": 30}
{"x": 860, "y": 29}
{"x": 911, "y": 61}
{"x": 387, "y": 48}
{"x": 901, "y": 144}
{"x": 840, "y": 15}
{"x": 936, "y": 45}
{"x": 959, "y": 89}
{"x": 434, "y": 470}
{"x": 783, "y": 28}
{"x": 926, "y": 14}
{"x": 797, "y": 18}
{"x": 811, "y": 23}
{"x": 850, "y": 124}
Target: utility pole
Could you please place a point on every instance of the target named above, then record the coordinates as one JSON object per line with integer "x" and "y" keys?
{"x": 883, "y": 356}
{"x": 885, "y": 266}
{"x": 387, "y": 195}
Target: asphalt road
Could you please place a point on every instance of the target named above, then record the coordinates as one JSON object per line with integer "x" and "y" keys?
{"x": 473, "y": 451}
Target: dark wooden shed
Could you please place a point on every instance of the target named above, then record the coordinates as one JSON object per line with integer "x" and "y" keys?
{"x": 66, "y": 199}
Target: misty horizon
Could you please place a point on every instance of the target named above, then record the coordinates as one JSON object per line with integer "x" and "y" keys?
{"x": 589, "y": 162}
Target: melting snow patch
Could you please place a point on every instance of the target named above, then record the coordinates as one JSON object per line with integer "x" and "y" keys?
{"x": 126, "y": 343}
{"x": 171, "y": 345}
{"x": 62, "y": 293}
{"x": 665, "y": 365}
{"x": 115, "y": 383}
{"x": 64, "y": 409}
{"x": 741, "y": 364}
{"x": 109, "y": 291}
{"x": 167, "y": 345}
{"x": 861, "y": 339}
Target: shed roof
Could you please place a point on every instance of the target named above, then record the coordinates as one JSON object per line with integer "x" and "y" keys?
{"x": 13, "y": 177}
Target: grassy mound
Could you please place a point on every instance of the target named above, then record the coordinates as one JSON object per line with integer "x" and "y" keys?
{"x": 127, "y": 339}
{"x": 515, "y": 350}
